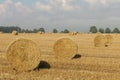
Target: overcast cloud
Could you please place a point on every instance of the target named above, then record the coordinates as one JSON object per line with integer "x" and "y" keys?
{"x": 76, "y": 15}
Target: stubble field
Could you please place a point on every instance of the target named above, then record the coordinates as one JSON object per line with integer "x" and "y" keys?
{"x": 94, "y": 63}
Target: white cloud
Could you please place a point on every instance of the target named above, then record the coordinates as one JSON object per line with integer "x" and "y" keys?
{"x": 67, "y": 5}
{"x": 2, "y": 9}
{"x": 112, "y": 1}
{"x": 9, "y": 8}
{"x": 22, "y": 9}
{"x": 104, "y": 2}
{"x": 8, "y": 2}
{"x": 97, "y": 3}
{"x": 41, "y": 6}
{"x": 92, "y": 2}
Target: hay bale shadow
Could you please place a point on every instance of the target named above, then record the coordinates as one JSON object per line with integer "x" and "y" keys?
{"x": 43, "y": 65}
{"x": 77, "y": 56}
{"x": 106, "y": 45}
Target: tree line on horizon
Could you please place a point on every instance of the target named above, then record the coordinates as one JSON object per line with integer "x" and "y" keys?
{"x": 9, "y": 29}
{"x": 93, "y": 29}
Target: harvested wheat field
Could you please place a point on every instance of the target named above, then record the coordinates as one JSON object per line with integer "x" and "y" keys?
{"x": 89, "y": 63}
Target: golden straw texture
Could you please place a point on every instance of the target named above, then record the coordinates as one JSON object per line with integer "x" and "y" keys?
{"x": 100, "y": 41}
{"x": 65, "y": 48}
{"x": 23, "y": 54}
{"x": 14, "y": 32}
{"x": 109, "y": 39}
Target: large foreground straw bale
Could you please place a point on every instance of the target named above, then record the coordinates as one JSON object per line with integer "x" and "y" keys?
{"x": 23, "y": 54}
{"x": 65, "y": 48}
{"x": 100, "y": 41}
{"x": 14, "y": 32}
{"x": 109, "y": 39}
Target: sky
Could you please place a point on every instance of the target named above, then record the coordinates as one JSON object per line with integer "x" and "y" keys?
{"x": 74, "y": 15}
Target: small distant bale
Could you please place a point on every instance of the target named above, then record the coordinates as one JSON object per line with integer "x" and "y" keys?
{"x": 65, "y": 48}
{"x": 98, "y": 33}
{"x": 23, "y": 54}
{"x": 1, "y": 32}
{"x": 73, "y": 33}
{"x": 14, "y": 32}
{"x": 89, "y": 32}
{"x": 109, "y": 39}
{"x": 80, "y": 33}
{"x": 40, "y": 32}
{"x": 100, "y": 41}
{"x": 49, "y": 33}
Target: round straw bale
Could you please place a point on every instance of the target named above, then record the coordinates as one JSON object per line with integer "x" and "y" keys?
{"x": 40, "y": 32}
{"x": 73, "y": 33}
{"x": 1, "y": 32}
{"x": 109, "y": 39}
{"x": 98, "y": 33}
{"x": 14, "y": 32}
{"x": 100, "y": 41}
{"x": 89, "y": 32}
{"x": 79, "y": 33}
{"x": 23, "y": 54}
{"x": 65, "y": 48}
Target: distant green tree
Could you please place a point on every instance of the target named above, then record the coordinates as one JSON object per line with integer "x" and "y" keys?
{"x": 116, "y": 30}
{"x": 35, "y": 30}
{"x": 42, "y": 30}
{"x": 61, "y": 31}
{"x": 55, "y": 31}
{"x": 93, "y": 29}
{"x": 27, "y": 31}
{"x": 23, "y": 30}
{"x": 107, "y": 30}
{"x": 9, "y": 29}
{"x": 101, "y": 30}
{"x": 66, "y": 31}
